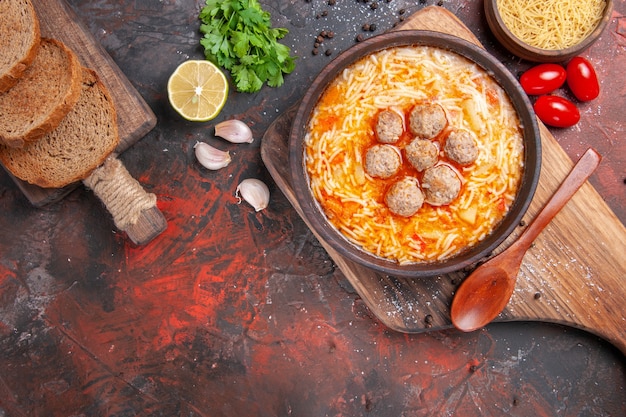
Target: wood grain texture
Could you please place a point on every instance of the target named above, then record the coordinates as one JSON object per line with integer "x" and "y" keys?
{"x": 135, "y": 118}
{"x": 574, "y": 273}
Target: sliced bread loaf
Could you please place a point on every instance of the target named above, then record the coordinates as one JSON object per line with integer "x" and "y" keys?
{"x": 19, "y": 40}
{"x": 42, "y": 97}
{"x": 81, "y": 142}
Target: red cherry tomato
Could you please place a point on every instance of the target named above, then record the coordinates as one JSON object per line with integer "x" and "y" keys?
{"x": 556, "y": 111}
{"x": 543, "y": 79}
{"x": 582, "y": 79}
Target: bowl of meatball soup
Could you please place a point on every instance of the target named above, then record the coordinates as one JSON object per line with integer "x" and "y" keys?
{"x": 414, "y": 153}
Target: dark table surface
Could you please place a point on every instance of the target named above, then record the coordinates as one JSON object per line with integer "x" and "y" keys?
{"x": 235, "y": 313}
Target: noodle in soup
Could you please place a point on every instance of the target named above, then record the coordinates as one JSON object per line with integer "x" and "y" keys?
{"x": 342, "y": 128}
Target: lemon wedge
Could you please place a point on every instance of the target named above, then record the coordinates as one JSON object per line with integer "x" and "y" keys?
{"x": 197, "y": 90}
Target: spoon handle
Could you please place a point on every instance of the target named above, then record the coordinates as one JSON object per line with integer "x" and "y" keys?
{"x": 583, "y": 169}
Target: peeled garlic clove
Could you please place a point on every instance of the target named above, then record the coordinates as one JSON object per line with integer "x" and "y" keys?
{"x": 234, "y": 131}
{"x": 210, "y": 157}
{"x": 255, "y": 192}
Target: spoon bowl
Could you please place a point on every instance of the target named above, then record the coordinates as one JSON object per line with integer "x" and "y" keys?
{"x": 486, "y": 291}
{"x": 490, "y": 294}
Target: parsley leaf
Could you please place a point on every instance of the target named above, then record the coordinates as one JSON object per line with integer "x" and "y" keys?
{"x": 238, "y": 36}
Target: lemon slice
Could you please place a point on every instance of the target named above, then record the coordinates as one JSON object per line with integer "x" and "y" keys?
{"x": 197, "y": 89}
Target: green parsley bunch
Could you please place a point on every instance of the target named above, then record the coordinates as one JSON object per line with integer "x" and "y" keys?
{"x": 238, "y": 36}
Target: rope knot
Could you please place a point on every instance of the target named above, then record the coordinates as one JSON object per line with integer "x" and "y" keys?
{"x": 123, "y": 196}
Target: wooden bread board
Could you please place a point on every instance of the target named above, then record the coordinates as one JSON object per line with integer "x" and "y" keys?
{"x": 575, "y": 274}
{"x": 135, "y": 118}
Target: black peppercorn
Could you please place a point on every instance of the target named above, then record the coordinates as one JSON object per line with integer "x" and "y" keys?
{"x": 374, "y": 6}
{"x": 359, "y": 38}
{"x": 328, "y": 52}
{"x": 330, "y": 35}
{"x": 372, "y": 27}
{"x": 331, "y": 2}
{"x": 315, "y": 51}
{"x": 537, "y": 295}
{"x": 366, "y": 27}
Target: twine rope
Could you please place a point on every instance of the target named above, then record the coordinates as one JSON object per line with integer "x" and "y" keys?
{"x": 123, "y": 196}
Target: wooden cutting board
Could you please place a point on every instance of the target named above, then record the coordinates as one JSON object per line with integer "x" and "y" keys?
{"x": 135, "y": 118}
{"x": 575, "y": 274}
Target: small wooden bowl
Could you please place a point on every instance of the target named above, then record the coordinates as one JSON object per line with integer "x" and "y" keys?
{"x": 531, "y": 53}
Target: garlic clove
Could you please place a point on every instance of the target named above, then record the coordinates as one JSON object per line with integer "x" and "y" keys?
{"x": 234, "y": 131}
{"x": 254, "y": 192}
{"x": 210, "y": 157}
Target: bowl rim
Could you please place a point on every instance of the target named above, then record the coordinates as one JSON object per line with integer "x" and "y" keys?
{"x": 311, "y": 210}
{"x": 523, "y": 50}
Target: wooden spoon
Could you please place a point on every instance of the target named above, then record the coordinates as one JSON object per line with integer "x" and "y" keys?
{"x": 486, "y": 291}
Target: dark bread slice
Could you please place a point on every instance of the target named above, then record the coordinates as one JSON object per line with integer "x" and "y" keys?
{"x": 81, "y": 142}
{"x": 19, "y": 40}
{"x": 42, "y": 97}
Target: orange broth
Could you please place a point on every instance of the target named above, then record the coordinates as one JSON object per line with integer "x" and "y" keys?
{"x": 341, "y": 130}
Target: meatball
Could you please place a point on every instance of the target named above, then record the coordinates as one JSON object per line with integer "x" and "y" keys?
{"x": 389, "y": 126}
{"x": 441, "y": 185}
{"x": 382, "y": 161}
{"x": 427, "y": 120}
{"x": 422, "y": 154}
{"x": 404, "y": 197}
{"x": 461, "y": 147}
